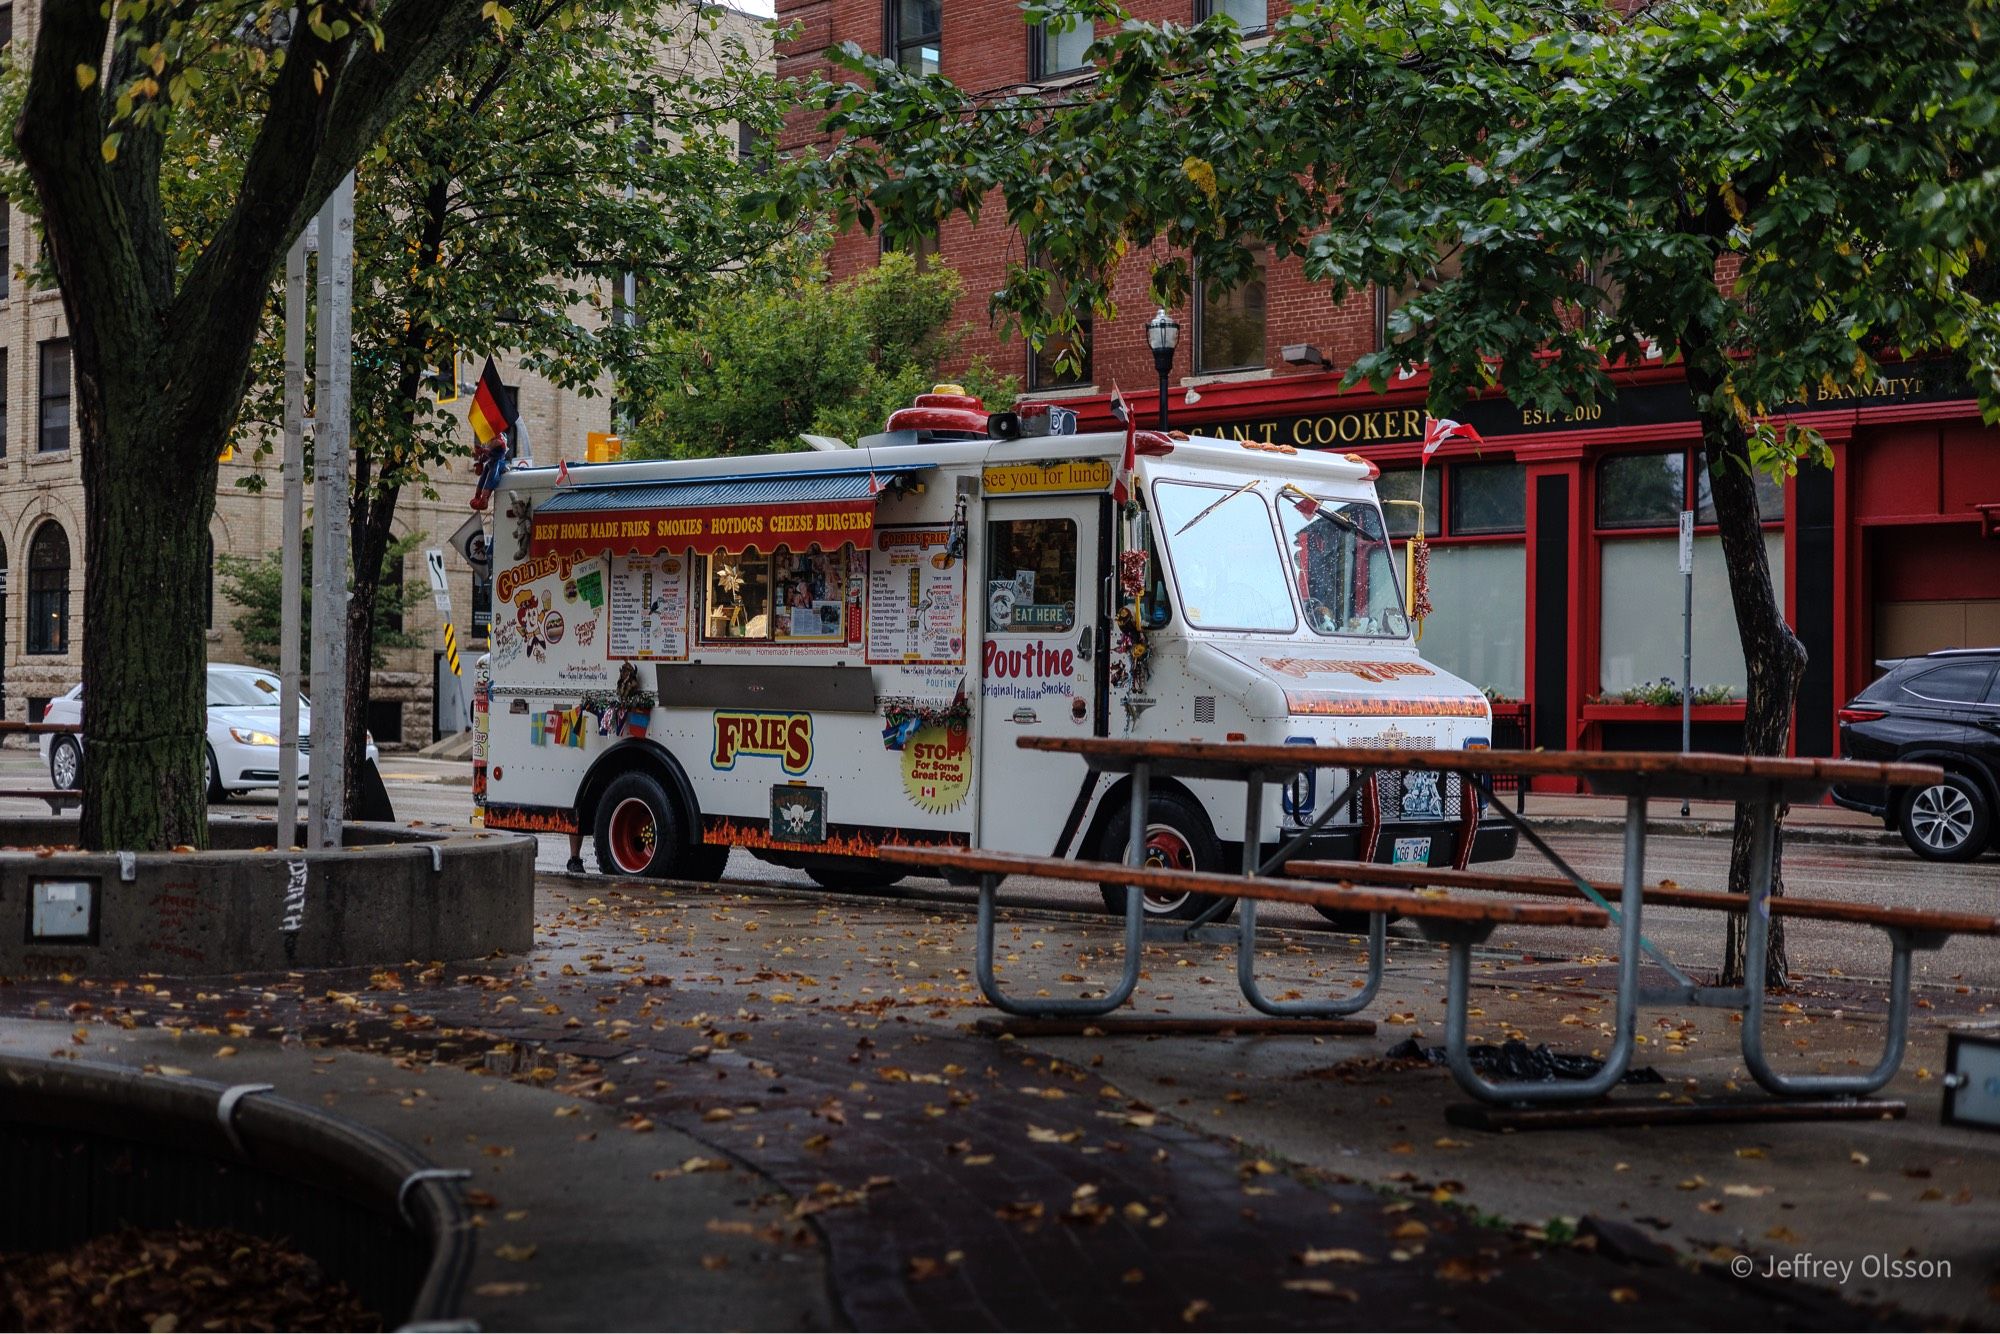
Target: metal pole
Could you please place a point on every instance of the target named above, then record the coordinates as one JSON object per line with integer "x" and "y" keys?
{"x": 1687, "y": 641}
{"x": 331, "y": 425}
{"x": 1163, "y": 398}
{"x": 294, "y": 521}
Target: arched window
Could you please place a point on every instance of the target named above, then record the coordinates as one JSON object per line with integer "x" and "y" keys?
{"x": 48, "y": 590}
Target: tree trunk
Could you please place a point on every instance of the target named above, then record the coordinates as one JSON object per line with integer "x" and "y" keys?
{"x": 1772, "y": 654}
{"x": 375, "y": 516}
{"x": 145, "y": 662}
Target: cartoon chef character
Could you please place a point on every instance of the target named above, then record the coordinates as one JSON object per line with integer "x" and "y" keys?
{"x": 528, "y": 613}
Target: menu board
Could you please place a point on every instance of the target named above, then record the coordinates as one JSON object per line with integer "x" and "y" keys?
{"x": 916, "y": 598}
{"x": 649, "y": 608}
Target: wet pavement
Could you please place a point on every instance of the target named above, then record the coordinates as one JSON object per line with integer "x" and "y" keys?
{"x": 770, "y": 1110}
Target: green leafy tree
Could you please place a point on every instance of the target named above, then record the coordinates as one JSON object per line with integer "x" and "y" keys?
{"x": 777, "y": 354}
{"x": 1778, "y": 194}
{"x": 256, "y": 583}
{"x": 164, "y": 313}
{"x": 503, "y": 213}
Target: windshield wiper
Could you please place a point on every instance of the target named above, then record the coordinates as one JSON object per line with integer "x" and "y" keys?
{"x": 1321, "y": 509}
{"x": 1216, "y": 506}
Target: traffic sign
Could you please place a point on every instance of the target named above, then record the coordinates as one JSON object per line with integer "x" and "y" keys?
{"x": 440, "y": 586}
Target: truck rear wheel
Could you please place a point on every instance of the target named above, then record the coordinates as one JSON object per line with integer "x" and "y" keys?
{"x": 637, "y": 831}
{"x": 1178, "y": 838}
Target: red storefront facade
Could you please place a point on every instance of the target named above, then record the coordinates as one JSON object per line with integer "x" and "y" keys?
{"x": 1554, "y": 546}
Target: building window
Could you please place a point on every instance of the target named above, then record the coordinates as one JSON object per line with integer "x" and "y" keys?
{"x": 1401, "y": 484}
{"x": 1651, "y": 490}
{"x": 1052, "y": 53}
{"x": 916, "y": 34}
{"x": 920, "y": 254}
{"x": 3, "y": 402}
{"x": 1479, "y": 601}
{"x": 1229, "y": 325}
{"x": 1639, "y": 636}
{"x": 1045, "y": 370}
{"x": 6, "y": 248}
{"x": 6, "y": 25}
{"x": 48, "y": 590}
{"x": 1489, "y": 498}
{"x": 1250, "y": 15}
{"x": 1387, "y": 303}
{"x": 55, "y": 395}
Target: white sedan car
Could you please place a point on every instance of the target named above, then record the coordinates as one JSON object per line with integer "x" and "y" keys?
{"x": 242, "y": 751}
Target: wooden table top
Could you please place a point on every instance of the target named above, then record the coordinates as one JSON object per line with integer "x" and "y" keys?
{"x": 1661, "y": 773}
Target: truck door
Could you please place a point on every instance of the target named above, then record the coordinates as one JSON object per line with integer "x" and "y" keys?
{"x": 1041, "y": 599}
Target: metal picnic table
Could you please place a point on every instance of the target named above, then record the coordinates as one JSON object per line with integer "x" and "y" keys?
{"x": 1763, "y": 784}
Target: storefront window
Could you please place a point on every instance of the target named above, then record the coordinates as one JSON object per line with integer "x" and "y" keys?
{"x": 1401, "y": 484}
{"x": 1641, "y": 490}
{"x": 1225, "y": 558}
{"x": 1479, "y": 593}
{"x": 1770, "y": 498}
{"x": 1640, "y": 613}
{"x": 1031, "y": 576}
{"x": 1489, "y": 498}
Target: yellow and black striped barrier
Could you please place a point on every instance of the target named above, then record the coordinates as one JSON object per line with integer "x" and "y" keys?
{"x": 451, "y": 646}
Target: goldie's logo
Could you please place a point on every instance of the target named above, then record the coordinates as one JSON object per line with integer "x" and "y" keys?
{"x": 787, "y": 737}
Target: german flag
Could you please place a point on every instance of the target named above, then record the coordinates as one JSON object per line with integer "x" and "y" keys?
{"x": 493, "y": 412}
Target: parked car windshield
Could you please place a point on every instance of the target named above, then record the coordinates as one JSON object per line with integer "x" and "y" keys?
{"x": 1225, "y": 557}
{"x": 1345, "y": 567}
{"x": 243, "y": 690}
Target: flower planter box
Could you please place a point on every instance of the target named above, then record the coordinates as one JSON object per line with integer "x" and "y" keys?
{"x": 1662, "y": 713}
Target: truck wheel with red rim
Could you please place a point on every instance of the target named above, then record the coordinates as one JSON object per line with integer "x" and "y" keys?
{"x": 1178, "y": 838}
{"x": 637, "y": 830}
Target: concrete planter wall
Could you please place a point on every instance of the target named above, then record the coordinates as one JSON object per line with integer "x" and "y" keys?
{"x": 390, "y": 894}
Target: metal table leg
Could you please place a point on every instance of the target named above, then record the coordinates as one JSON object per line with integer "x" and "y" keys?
{"x": 1246, "y": 936}
{"x": 1044, "y": 1007}
{"x": 1462, "y": 936}
{"x": 1756, "y": 941}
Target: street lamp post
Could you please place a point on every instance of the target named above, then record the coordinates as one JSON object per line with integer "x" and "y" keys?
{"x": 1162, "y": 333}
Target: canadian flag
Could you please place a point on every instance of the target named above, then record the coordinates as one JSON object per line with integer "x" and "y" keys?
{"x": 1437, "y": 430}
{"x": 1121, "y": 480}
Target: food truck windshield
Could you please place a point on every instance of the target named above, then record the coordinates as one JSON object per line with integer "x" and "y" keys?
{"x": 1232, "y": 573}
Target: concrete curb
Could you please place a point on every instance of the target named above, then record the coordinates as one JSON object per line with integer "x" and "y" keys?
{"x": 1829, "y": 835}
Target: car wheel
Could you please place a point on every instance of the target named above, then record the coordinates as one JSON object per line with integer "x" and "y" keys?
{"x": 1177, "y": 837}
{"x": 637, "y": 831}
{"x": 216, "y": 791}
{"x": 1947, "y": 821}
{"x": 65, "y": 763}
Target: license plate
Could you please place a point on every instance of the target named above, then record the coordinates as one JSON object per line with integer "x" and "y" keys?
{"x": 1411, "y": 852}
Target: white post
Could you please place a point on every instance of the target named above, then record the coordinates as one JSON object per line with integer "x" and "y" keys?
{"x": 331, "y": 425}
{"x": 294, "y": 521}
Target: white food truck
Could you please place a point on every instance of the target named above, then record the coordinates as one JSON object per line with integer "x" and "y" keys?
{"x": 811, "y": 654}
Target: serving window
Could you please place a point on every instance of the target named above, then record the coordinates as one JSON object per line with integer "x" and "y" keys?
{"x": 1031, "y": 576}
{"x": 786, "y": 598}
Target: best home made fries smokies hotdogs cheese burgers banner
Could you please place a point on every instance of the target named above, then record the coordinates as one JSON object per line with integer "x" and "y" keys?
{"x": 826, "y": 523}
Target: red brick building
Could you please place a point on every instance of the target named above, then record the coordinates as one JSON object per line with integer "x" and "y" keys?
{"x": 1554, "y": 557}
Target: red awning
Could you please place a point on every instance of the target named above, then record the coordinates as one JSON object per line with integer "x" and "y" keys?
{"x": 827, "y": 524}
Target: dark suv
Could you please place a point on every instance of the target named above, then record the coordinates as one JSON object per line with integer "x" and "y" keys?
{"x": 1941, "y": 709}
